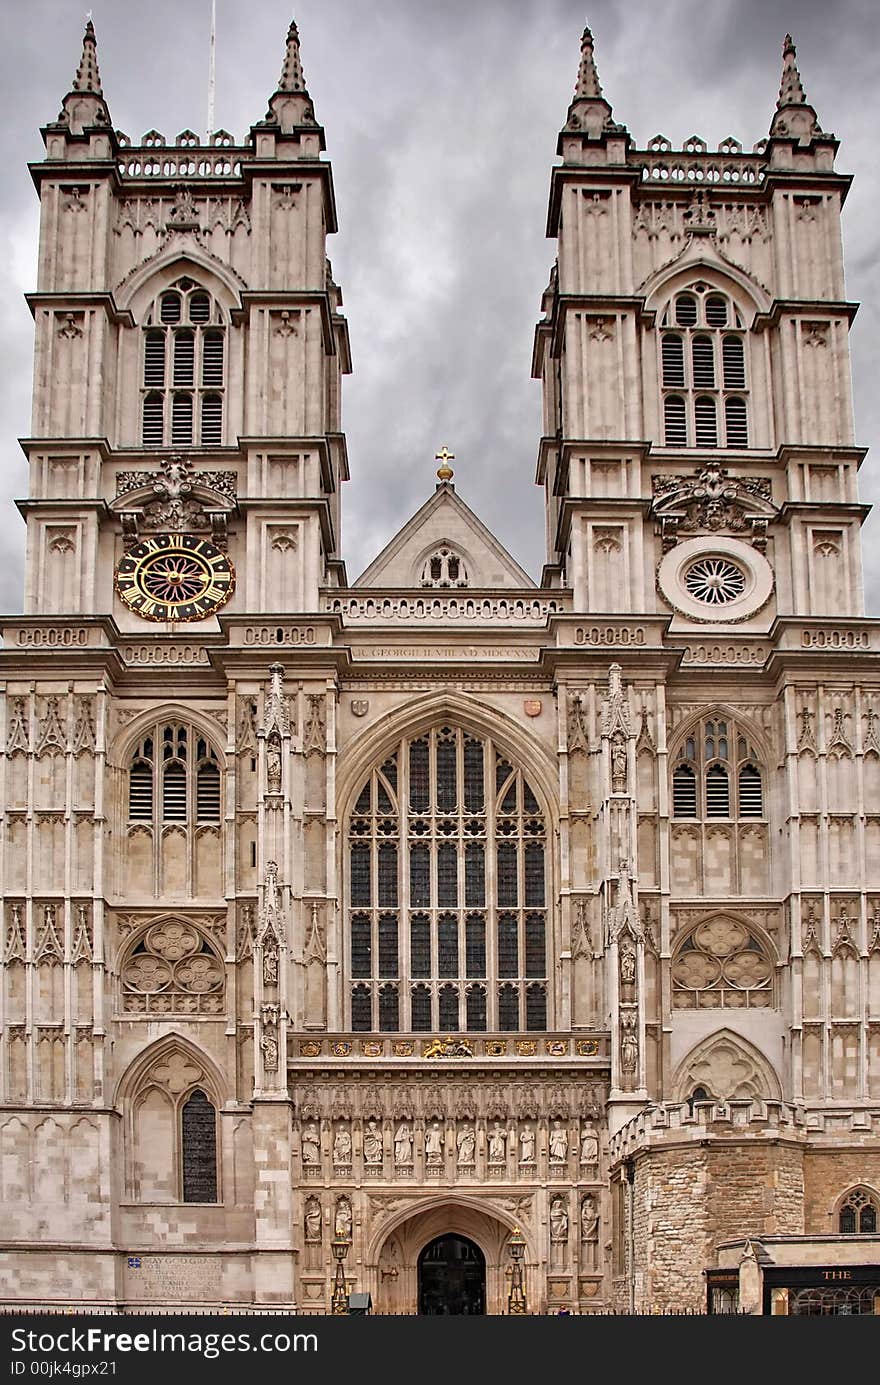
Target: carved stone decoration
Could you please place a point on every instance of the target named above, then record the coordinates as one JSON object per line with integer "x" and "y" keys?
{"x": 340, "y": 1104}
{"x": 618, "y": 763}
{"x": 271, "y": 932}
{"x": 312, "y": 1221}
{"x": 874, "y": 924}
{"x": 244, "y": 942}
{"x": 14, "y": 950}
{"x": 48, "y": 947}
{"x": 578, "y": 734}
{"x": 51, "y": 735}
{"x": 581, "y": 936}
{"x": 173, "y": 970}
{"x": 839, "y": 745}
{"x": 84, "y": 727}
{"x": 273, "y": 763}
{"x": 313, "y": 733}
{"x": 372, "y": 1143}
{"x": 843, "y": 938}
{"x": 871, "y": 743}
{"x": 269, "y": 1037}
{"x": 806, "y": 737}
{"x": 627, "y": 959}
{"x": 314, "y": 948}
{"x": 645, "y": 744}
{"x": 629, "y": 1043}
{"x": 622, "y": 916}
{"x": 711, "y": 501}
{"x": 17, "y": 735}
{"x": 184, "y": 213}
{"x": 589, "y": 1221}
{"x": 276, "y": 713}
{"x": 310, "y": 1144}
{"x": 615, "y": 706}
{"x": 558, "y": 1220}
{"x": 81, "y": 950}
{"x": 810, "y": 933}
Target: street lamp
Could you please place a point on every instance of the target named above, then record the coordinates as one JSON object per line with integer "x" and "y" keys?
{"x": 339, "y": 1302}
{"x": 516, "y": 1299}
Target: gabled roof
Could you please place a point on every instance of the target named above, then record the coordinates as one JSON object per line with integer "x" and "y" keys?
{"x": 444, "y": 521}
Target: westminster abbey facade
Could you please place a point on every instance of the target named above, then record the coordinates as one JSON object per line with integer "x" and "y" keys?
{"x": 477, "y": 944}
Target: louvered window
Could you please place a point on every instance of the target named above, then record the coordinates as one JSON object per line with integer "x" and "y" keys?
{"x": 713, "y": 764}
{"x": 427, "y": 907}
{"x": 184, "y": 350}
{"x": 174, "y": 785}
{"x": 703, "y": 359}
{"x": 706, "y": 419}
{"x": 140, "y": 790}
{"x": 208, "y": 792}
{"x": 673, "y": 361}
{"x": 675, "y": 421}
{"x": 684, "y": 792}
{"x": 174, "y": 792}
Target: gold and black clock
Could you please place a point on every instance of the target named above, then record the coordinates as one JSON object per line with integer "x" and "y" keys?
{"x": 174, "y": 577}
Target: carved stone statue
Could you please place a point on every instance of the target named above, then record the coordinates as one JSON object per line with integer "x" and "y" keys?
{"x": 527, "y": 1144}
{"x": 498, "y": 1144}
{"x": 342, "y": 1222}
{"x": 466, "y": 1143}
{"x": 589, "y": 1219}
{"x": 269, "y": 1046}
{"x": 627, "y": 964}
{"x": 342, "y": 1146}
{"x": 558, "y": 1143}
{"x": 434, "y": 1143}
{"x": 618, "y": 765}
{"x": 403, "y": 1144}
{"x": 589, "y": 1147}
{"x": 372, "y": 1144}
{"x": 270, "y": 962}
{"x": 312, "y": 1219}
{"x": 273, "y": 764}
{"x": 311, "y": 1148}
{"x": 629, "y": 1044}
{"x": 558, "y": 1220}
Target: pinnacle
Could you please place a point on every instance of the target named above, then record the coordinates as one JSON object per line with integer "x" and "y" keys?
{"x": 292, "y": 78}
{"x": 87, "y": 76}
{"x": 791, "y": 90}
{"x": 588, "y": 78}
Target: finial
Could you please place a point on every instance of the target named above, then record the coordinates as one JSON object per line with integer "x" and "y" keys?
{"x": 588, "y": 78}
{"x": 791, "y": 90}
{"x": 444, "y": 457}
{"x": 292, "y": 78}
{"x": 794, "y": 117}
{"x": 87, "y": 76}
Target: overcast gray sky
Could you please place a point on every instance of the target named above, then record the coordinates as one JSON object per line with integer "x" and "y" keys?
{"x": 441, "y": 119}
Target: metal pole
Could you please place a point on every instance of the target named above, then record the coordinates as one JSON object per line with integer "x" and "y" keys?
{"x": 211, "y": 69}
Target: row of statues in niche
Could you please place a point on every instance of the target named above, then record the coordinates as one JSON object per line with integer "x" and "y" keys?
{"x": 589, "y": 1219}
{"x": 342, "y": 1219}
{"x": 498, "y": 1140}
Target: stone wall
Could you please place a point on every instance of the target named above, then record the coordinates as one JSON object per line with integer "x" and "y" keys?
{"x": 828, "y": 1174}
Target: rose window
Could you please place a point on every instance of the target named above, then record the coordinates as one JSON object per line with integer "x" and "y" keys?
{"x": 715, "y": 581}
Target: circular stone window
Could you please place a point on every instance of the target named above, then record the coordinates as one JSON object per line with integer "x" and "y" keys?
{"x": 715, "y": 581}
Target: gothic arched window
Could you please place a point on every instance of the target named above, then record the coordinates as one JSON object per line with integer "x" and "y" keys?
{"x": 703, "y": 359}
{"x": 447, "y": 891}
{"x": 171, "y": 1131}
{"x": 174, "y": 776}
{"x": 444, "y": 568}
{"x": 857, "y": 1215}
{"x": 172, "y": 969}
{"x": 716, "y": 773}
{"x": 183, "y": 369}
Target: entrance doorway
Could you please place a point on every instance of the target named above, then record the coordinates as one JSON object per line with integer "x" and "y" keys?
{"x": 452, "y": 1278}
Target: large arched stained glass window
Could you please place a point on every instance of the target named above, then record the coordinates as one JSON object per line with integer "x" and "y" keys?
{"x": 447, "y": 892}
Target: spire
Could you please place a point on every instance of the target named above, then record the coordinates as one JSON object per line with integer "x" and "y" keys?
{"x": 87, "y": 76}
{"x": 291, "y": 107}
{"x": 589, "y": 114}
{"x": 791, "y": 89}
{"x": 793, "y": 117}
{"x": 292, "y": 78}
{"x": 588, "y": 78}
{"x": 84, "y": 105}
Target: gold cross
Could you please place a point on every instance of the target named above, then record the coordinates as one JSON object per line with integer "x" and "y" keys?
{"x": 444, "y": 456}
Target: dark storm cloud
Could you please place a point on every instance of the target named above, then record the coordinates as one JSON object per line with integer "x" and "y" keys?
{"x": 441, "y": 123}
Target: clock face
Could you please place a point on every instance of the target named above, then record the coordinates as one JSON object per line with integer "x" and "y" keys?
{"x": 174, "y": 577}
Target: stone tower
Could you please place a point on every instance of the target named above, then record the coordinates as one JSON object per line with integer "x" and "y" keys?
{"x": 484, "y": 945}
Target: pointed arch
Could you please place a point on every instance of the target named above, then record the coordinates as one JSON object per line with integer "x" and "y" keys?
{"x": 728, "y": 1067}
{"x": 125, "y": 742}
{"x": 157, "y": 274}
{"x": 679, "y": 274}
